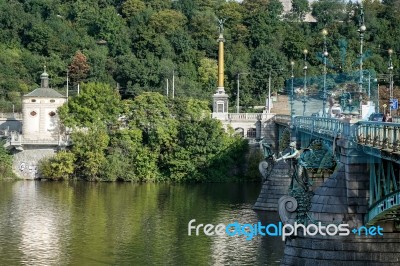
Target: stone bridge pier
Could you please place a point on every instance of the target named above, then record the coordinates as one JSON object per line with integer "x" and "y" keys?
{"x": 343, "y": 200}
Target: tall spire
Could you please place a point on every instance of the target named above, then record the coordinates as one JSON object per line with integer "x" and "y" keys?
{"x": 44, "y": 83}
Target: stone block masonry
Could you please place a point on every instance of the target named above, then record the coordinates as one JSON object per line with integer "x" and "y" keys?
{"x": 276, "y": 186}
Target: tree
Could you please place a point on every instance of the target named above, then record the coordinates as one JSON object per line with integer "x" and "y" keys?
{"x": 189, "y": 109}
{"x": 6, "y": 162}
{"x": 150, "y": 113}
{"x": 89, "y": 147}
{"x": 203, "y": 27}
{"x": 255, "y": 5}
{"x": 275, "y": 9}
{"x": 128, "y": 159}
{"x": 233, "y": 12}
{"x": 59, "y": 167}
{"x": 131, "y": 8}
{"x": 97, "y": 104}
{"x": 202, "y": 146}
{"x": 300, "y": 8}
{"x": 167, "y": 21}
{"x": 328, "y": 11}
{"x": 208, "y": 72}
{"x": 79, "y": 68}
{"x": 264, "y": 60}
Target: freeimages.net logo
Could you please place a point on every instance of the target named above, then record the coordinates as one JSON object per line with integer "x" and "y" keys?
{"x": 283, "y": 230}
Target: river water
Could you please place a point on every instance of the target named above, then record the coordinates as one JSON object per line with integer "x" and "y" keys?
{"x": 80, "y": 223}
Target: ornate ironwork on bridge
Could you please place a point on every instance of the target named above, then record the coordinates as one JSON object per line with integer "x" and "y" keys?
{"x": 373, "y": 144}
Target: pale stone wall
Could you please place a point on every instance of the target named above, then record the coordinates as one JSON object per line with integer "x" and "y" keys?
{"x": 25, "y": 163}
{"x": 37, "y": 122}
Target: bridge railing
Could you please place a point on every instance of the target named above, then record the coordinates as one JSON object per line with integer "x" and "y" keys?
{"x": 327, "y": 126}
{"x": 379, "y": 135}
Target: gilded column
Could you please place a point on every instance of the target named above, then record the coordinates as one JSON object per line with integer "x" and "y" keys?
{"x": 220, "y": 98}
{"x": 221, "y": 41}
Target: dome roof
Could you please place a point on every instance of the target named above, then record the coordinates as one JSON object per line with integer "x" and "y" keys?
{"x": 44, "y": 75}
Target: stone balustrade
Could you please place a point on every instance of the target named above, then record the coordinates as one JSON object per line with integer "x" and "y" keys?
{"x": 383, "y": 136}
{"x": 10, "y": 116}
{"x": 243, "y": 116}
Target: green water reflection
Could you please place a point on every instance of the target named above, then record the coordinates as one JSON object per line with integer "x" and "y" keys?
{"x": 51, "y": 223}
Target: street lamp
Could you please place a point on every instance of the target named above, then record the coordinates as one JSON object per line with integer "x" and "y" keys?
{"x": 369, "y": 83}
{"x": 292, "y": 112}
{"x": 361, "y": 30}
{"x": 269, "y": 88}
{"x": 302, "y": 95}
{"x": 238, "y": 91}
{"x": 325, "y": 55}
{"x": 305, "y": 52}
{"x": 347, "y": 108}
{"x": 381, "y": 77}
{"x": 390, "y": 68}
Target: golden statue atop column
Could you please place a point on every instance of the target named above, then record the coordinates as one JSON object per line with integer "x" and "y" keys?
{"x": 220, "y": 98}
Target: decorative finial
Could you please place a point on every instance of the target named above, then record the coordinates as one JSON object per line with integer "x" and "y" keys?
{"x": 44, "y": 78}
{"x": 361, "y": 22}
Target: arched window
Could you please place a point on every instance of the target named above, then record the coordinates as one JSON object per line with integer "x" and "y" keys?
{"x": 33, "y": 100}
{"x": 33, "y": 113}
{"x": 251, "y": 133}
{"x": 52, "y": 114}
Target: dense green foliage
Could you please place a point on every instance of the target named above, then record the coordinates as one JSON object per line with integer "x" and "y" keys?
{"x": 139, "y": 43}
{"x": 5, "y": 163}
{"x": 150, "y": 138}
{"x": 59, "y": 166}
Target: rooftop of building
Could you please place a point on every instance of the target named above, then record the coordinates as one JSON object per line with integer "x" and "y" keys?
{"x": 44, "y": 91}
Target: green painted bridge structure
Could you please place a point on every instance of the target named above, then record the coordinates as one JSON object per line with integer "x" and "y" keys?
{"x": 369, "y": 154}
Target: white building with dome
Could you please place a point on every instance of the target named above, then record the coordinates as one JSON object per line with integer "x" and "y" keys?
{"x": 40, "y": 122}
{"x": 41, "y": 134}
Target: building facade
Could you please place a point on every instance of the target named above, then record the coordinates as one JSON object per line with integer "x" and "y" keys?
{"x": 40, "y": 120}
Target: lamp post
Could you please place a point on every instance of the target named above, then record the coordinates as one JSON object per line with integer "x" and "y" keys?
{"x": 269, "y": 92}
{"x": 325, "y": 55}
{"x": 292, "y": 112}
{"x": 390, "y": 68}
{"x": 371, "y": 102}
{"x": 305, "y": 52}
{"x": 377, "y": 82}
{"x": 369, "y": 83}
{"x": 303, "y": 95}
{"x": 361, "y": 30}
{"x": 238, "y": 91}
{"x": 269, "y": 88}
{"x": 347, "y": 108}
